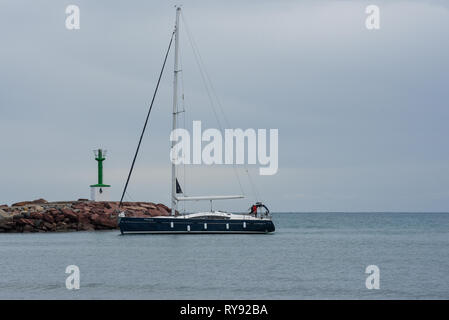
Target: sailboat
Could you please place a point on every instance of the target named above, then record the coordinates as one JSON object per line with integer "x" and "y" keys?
{"x": 258, "y": 220}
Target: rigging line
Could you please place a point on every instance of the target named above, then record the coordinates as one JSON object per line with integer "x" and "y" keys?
{"x": 207, "y": 81}
{"x": 253, "y": 186}
{"x": 146, "y": 120}
{"x": 208, "y": 78}
{"x": 129, "y": 196}
{"x": 216, "y": 115}
{"x": 228, "y": 124}
{"x": 195, "y": 55}
{"x": 225, "y": 118}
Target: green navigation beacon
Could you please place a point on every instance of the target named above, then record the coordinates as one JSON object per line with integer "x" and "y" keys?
{"x": 100, "y": 191}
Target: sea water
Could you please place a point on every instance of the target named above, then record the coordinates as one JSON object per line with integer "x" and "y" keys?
{"x": 310, "y": 256}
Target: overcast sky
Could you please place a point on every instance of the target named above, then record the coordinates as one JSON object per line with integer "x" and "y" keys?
{"x": 362, "y": 115}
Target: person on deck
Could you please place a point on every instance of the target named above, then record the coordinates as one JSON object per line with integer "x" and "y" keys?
{"x": 254, "y": 210}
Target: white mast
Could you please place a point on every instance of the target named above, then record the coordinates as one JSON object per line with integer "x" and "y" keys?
{"x": 175, "y": 111}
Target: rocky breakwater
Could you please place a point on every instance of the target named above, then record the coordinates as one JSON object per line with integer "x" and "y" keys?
{"x": 82, "y": 215}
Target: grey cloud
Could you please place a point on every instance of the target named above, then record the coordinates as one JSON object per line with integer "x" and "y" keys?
{"x": 361, "y": 115}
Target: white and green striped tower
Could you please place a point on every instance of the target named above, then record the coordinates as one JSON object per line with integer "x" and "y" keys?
{"x": 100, "y": 191}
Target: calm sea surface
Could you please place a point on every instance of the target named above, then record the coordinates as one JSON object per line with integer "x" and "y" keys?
{"x": 311, "y": 256}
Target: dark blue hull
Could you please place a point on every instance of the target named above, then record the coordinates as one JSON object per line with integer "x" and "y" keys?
{"x": 192, "y": 225}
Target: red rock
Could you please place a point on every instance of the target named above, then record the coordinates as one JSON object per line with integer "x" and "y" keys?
{"x": 163, "y": 211}
{"x": 105, "y": 222}
{"x": 97, "y": 211}
{"x": 61, "y": 226}
{"x": 141, "y": 214}
{"x": 163, "y": 206}
{"x": 48, "y": 218}
{"x": 24, "y": 221}
{"x": 148, "y": 205}
{"x": 20, "y": 204}
{"x": 49, "y": 226}
{"x": 69, "y": 214}
{"x": 78, "y": 215}
{"x": 54, "y": 212}
{"x": 159, "y": 211}
{"x": 83, "y": 218}
{"x": 82, "y": 226}
{"x": 135, "y": 208}
{"x": 24, "y": 203}
{"x": 109, "y": 211}
{"x": 154, "y": 212}
{"x": 36, "y": 215}
{"x": 39, "y": 201}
